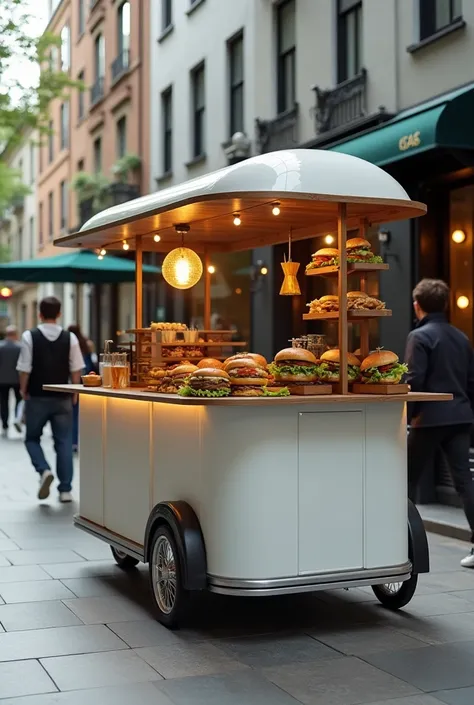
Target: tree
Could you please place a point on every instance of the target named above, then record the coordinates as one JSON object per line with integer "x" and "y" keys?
{"x": 24, "y": 106}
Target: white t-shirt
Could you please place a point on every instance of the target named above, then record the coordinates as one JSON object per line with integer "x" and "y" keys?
{"x": 51, "y": 332}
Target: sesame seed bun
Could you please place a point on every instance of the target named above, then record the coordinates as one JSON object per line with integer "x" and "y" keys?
{"x": 183, "y": 370}
{"x": 356, "y": 295}
{"x": 327, "y": 252}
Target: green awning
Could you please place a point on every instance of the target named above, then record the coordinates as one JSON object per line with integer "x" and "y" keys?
{"x": 76, "y": 267}
{"x": 446, "y": 121}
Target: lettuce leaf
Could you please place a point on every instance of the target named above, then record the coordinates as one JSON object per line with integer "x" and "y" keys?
{"x": 190, "y": 392}
{"x": 283, "y": 392}
{"x": 373, "y": 374}
{"x": 276, "y": 369}
{"x": 374, "y": 259}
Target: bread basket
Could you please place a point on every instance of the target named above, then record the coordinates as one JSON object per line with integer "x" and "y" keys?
{"x": 91, "y": 380}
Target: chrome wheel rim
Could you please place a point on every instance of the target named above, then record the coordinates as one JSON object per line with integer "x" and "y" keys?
{"x": 120, "y": 554}
{"x": 164, "y": 575}
{"x": 391, "y": 589}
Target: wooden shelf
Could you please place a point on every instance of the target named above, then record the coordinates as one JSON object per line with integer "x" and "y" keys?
{"x": 213, "y": 344}
{"x": 351, "y": 315}
{"x": 186, "y": 357}
{"x": 352, "y": 267}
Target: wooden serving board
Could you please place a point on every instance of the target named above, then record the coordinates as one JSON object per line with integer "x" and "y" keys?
{"x": 380, "y": 388}
{"x": 304, "y": 390}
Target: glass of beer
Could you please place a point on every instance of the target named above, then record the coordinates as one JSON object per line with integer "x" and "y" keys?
{"x": 120, "y": 371}
{"x": 105, "y": 369}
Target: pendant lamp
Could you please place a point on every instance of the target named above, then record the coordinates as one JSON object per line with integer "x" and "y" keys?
{"x": 290, "y": 286}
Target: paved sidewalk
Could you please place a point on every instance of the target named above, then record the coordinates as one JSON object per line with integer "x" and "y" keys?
{"x": 75, "y": 630}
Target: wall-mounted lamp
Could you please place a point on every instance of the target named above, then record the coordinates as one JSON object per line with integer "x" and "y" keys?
{"x": 458, "y": 236}
{"x": 384, "y": 237}
{"x": 462, "y": 302}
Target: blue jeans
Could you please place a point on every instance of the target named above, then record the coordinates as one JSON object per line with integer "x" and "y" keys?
{"x": 58, "y": 411}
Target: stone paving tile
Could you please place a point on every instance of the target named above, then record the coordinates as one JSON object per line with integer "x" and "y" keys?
{"x": 145, "y": 633}
{"x": 20, "y": 573}
{"x": 432, "y": 605}
{"x": 442, "y": 629}
{"x": 179, "y": 659}
{"x": 273, "y": 650}
{"x": 242, "y": 688}
{"x": 60, "y": 641}
{"x": 98, "y": 670}
{"x": 8, "y": 545}
{"x": 365, "y": 639}
{"x": 89, "y": 569}
{"x": 4, "y": 562}
{"x": 97, "y": 587}
{"x": 135, "y": 694}
{"x": 459, "y": 696}
{"x": 432, "y": 668}
{"x": 54, "y": 555}
{"x": 24, "y": 678}
{"x": 37, "y": 615}
{"x": 97, "y": 552}
{"x": 34, "y": 591}
{"x": 59, "y": 540}
{"x": 411, "y": 700}
{"x": 102, "y": 610}
{"x": 345, "y": 681}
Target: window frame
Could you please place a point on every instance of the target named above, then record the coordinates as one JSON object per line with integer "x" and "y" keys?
{"x": 428, "y": 21}
{"x": 32, "y": 236}
{"x": 63, "y": 205}
{"x": 81, "y": 17}
{"x": 51, "y": 215}
{"x": 40, "y": 225}
{"x": 65, "y": 51}
{"x": 81, "y": 107}
{"x": 97, "y": 150}
{"x": 166, "y": 14}
{"x": 99, "y": 57}
{"x": 167, "y": 129}
{"x": 123, "y": 40}
{"x": 32, "y": 162}
{"x": 119, "y": 135}
{"x": 198, "y": 111}
{"x": 50, "y": 142}
{"x": 236, "y": 86}
{"x": 64, "y": 126}
{"x": 346, "y": 9}
{"x": 282, "y": 57}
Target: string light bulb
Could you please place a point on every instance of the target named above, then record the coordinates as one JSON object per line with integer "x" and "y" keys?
{"x": 101, "y": 256}
{"x": 458, "y": 236}
{"x": 125, "y": 245}
{"x": 462, "y": 302}
{"x": 329, "y": 239}
{"x": 264, "y": 271}
{"x": 276, "y": 209}
{"x": 156, "y": 238}
{"x": 237, "y": 219}
{"x": 211, "y": 269}
{"x": 102, "y": 252}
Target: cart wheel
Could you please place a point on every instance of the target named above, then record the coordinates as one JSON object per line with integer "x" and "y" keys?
{"x": 123, "y": 560}
{"x": 396, "y": 595}
{"x": 165, "y": 575}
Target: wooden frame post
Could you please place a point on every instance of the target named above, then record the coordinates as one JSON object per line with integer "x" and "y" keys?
{"x": 138, "y": 283}
{"x": 342, "y": 293}
{"x": 364, "y": 325}
{"x": 207, "y": 292}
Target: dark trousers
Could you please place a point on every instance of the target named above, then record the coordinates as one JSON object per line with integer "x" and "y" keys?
{"x": 455, "y": 442}
{"x": 5, "y": 399}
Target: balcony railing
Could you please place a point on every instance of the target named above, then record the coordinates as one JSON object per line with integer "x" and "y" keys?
{"x": 18, "y": 203}
{"x": 121, "y": 64}
{"x": 279, "y": 133}
{"x": 97, "y": 91}
{"x": 338, "y": 107}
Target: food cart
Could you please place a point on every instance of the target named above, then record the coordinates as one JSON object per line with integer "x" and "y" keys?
{"x": 253, "y": 496}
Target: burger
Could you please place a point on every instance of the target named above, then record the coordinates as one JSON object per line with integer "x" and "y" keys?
{"x": 382, "y": 367}
{"x": 295, "y": 366}
{"x": 247, "y": 378}
{"x": 360, "y": 250}
{"x": 259, "y": 359}
{"x": 211, "y": 362}
{"x": 208, "y": 382}
{"x": 325, "y": 304}
{"x": 326, "y": 257}
{"x": 176, "y": 378}
{"x": 330, "y": 366}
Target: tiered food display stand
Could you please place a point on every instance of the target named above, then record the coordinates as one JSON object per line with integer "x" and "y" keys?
{"x": 254, "y": 496}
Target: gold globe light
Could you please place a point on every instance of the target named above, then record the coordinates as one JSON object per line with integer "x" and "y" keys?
{"x": 458, "y": 236}
{"x": 462, "y": 302}
{"x": 182, "y": 268}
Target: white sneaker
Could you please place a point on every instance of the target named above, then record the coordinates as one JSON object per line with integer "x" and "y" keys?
{"x": 65, "y": 497}
{"x": 45, "y": 483}
{"x": 18, "y": 427}
{"x": 468, "y": 562}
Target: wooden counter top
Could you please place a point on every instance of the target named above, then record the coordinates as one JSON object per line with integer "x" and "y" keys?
{"x": 147, "y": 395}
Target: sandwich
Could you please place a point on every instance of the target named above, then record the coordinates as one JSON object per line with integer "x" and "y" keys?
{"x": 295, "y": 366}
{"x": 326, "y": 257}
{"x": 247, "y": 378}
{"x": 259, "y": 359}
{"x": 176, "y": 378}
{"x": 206, "y": 382}
{"x": 382, "y": 367}
{"x": 325, "y": 304}
{"x": 330, "y": 366}
{"x": 211, "y": 362}
{"x": 361, "y": 301}
{"x": 360, "y": 250}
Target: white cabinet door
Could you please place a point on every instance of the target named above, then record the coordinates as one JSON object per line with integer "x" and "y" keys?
{"x": 331, "y": 491}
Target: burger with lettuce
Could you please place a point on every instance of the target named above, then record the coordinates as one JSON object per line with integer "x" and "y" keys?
{"x": 382, "y": 367}
{"x": 360, "y": 250}
{"x": 330, "y": 366}
{"x": 294, "y": 366}
{"x": 206, "y": 382}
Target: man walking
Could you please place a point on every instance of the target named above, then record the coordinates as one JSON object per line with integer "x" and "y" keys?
{"x": 440, "y": 359}
{"x": 9, "y": 352}
{"x": 49, "y": 355}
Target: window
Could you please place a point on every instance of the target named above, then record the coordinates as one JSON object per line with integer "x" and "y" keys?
{"x": 50, "y": 141}
{"x": 123, "y": 25}
{"x": 438, "y": 14}
{"x": 32, "y": 162}
{"x": 99, "y": 57}
{"x": 80, "y": 165}
{"x": 20, "y": 242}
{"x": 64, "y": 134}
{"x": 97, "y": 155}
{"x": 349, "y": 39}
{"x": 65, "y": 48}
{"x": 286, "y": 46}
{"x": 50, "y": 215}
{"x": 53, "y": 59}
{"x": 32, "y": 237}
{"x": 80, "y": 98}
{"x": 40, "y": 218}
{"x": 81, "y": 17}
{"x": 236, "y": 74}
{"x": 198, "y": 96}
{"x": 64, "y": 204}
{"x": 167, "y": 122}
{"x": 166, "y": 14}
{"x": 122, "y": 137}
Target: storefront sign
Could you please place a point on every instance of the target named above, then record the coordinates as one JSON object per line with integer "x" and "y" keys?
{"x": 409, "y": 141}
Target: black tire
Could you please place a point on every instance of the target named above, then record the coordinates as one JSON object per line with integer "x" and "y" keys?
{"x": 394, "y": 600}
{"x": 169, "y": 595}
{"x": 123, "y": 560}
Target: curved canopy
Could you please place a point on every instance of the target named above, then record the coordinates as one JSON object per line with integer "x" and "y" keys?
{"x": 308, "y": 184}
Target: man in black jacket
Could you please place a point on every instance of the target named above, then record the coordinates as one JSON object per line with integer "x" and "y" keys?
{"x": 440, "y": 359}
